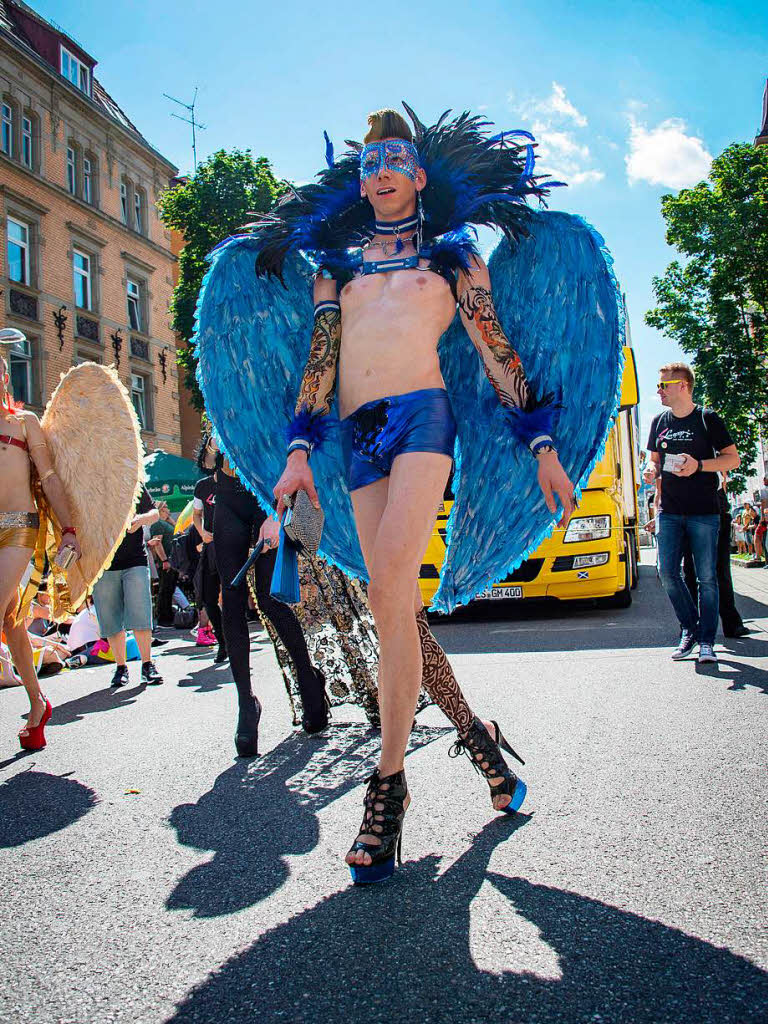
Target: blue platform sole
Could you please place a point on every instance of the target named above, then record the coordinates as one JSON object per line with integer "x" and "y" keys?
{"x": 518, "y": 796}
{"x": 365, "y": 874}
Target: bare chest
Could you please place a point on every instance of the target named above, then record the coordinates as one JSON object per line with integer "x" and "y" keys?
{"x": 408, "y": 293}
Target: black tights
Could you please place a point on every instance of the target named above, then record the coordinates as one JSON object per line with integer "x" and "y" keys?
{"x": 209, "y": 591}
{"x": 237, "y": 517}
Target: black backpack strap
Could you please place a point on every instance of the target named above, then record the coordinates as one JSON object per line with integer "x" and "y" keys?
{"x": 703, "y": 410}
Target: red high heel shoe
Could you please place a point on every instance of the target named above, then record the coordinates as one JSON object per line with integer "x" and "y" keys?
{"x": 35, "y": 738}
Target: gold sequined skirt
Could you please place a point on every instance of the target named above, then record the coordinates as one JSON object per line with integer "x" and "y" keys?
{"x": 19, "y": 529}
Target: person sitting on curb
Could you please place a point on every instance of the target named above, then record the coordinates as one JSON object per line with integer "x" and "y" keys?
{"x": 689, "y": 446}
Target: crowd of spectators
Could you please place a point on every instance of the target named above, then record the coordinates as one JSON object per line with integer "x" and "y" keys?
{"x": 149, "y": 585}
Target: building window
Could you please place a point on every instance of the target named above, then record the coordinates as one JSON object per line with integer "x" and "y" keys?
{"x": 134, "y": 306}
{"x": 124, "y": 202}
{"x": 72, "y": 170}
{"x": 18, "y": 251}
{"x": 75, "y": 71}
{"x": 6, "y": 142}
{"x": 81, "y": 356}
{"x": 87, "y": 180}
{"x": 138, "y": 211}
{"x": 91, "y": 178}
{"x": 81, "y": 266}
{"x": 140, "y": 396}
{"x": 20, "y": 357}
{"x": 26, "y": 141}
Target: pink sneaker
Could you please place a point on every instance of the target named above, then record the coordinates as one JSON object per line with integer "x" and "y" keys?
{"x": 205, "y": 638}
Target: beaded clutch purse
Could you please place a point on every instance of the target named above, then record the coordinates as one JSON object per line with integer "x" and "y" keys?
{"x": 303, "y": 523}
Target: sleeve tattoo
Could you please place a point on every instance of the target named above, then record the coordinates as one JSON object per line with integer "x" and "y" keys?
{"x": 318, "y": 384}
{"x": 501, "y": 363}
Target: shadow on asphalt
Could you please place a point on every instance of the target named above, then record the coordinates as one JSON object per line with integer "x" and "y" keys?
{"x": 737, "y": 675}
{"x": 208, "y": 679}
{"x": 401, "y": 952}
{"x": 260, "y": 812}
{"x": 35, "y": 804}
{"x": 558, "y": 626}
{"x": 98, "y": 701}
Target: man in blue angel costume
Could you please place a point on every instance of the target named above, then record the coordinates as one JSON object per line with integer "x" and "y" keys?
{"x": 383, "y": 414}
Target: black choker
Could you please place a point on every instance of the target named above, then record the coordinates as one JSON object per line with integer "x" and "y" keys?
{"x": 396, "y": 227}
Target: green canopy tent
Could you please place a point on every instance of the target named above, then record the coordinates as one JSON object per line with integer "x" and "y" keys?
{"x": 171, "y": 478}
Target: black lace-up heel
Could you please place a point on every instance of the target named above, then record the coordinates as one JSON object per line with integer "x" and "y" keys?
{"x": 384, "y": 812}
{"x": 483, "y": 751}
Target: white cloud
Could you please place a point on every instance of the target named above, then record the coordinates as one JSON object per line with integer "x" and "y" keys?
{"x": 556, "y": 122}
{"x": 666, "y": 154}
{"x": 558, "y": 104}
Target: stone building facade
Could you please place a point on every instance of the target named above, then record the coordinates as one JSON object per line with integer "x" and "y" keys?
{"x": 86, "y": 266}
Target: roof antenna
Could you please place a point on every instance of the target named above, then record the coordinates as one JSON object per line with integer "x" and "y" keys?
{"x": 195, "y": 124}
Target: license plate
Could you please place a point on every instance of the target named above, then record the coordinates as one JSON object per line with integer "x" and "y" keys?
{"x": 499, "y": 593}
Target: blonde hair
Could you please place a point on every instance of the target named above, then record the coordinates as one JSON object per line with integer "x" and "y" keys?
{"x": 681, "y": 370}
{"x": 387, "y": 124}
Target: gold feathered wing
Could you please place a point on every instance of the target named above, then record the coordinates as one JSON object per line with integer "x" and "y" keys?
{"x": 95, "y": 441}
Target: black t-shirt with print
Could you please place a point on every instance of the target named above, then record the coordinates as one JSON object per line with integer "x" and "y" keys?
{"x": 205, "y": 491}
{"x": 132, "y": 551}
{"x": 701, "y": 434}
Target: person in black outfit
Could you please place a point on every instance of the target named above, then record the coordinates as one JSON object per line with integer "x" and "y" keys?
{"x": 207, "y": 575}
{"x": 237, "y": 520}
{"x": 729, "y": 613}
{"x": 689, "y": 446}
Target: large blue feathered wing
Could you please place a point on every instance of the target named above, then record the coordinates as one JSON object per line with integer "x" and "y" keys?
{"x": 557, "y": 300}
{"x": 252, "y": 345}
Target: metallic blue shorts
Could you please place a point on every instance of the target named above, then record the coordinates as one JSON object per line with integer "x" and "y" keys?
{"x": 376, "y": 433}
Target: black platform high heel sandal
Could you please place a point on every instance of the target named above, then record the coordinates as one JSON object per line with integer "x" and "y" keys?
{"x": 483, "y": 751}
{"x": 247, "y": 732}
{"x": 316, "y": 706}
{"x": 385, "y": 808}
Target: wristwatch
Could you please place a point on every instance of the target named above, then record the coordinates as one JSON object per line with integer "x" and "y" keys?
{"x": 699, "y": 465}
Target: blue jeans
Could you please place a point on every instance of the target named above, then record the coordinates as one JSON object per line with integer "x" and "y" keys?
{"x": 701, "y": 532}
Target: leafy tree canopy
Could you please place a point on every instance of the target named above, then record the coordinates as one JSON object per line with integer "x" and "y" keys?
{"x": 226, "y": 189}
{"x": 715, "y": 302}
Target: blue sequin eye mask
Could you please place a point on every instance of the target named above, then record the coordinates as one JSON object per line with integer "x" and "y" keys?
{"x": 394, "y": 155}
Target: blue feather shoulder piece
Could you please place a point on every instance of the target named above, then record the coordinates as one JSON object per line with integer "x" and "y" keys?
{"x": 473, "y": 178}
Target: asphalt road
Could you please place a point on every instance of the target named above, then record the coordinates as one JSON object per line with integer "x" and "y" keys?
{"x": 631, "y": 890}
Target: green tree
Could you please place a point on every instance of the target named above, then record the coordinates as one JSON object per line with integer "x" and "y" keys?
{"x": 222, "y": 195}
{"x": 715, "y": 303}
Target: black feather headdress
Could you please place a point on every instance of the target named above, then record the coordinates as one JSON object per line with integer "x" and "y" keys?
{"x": 473, "y": 179}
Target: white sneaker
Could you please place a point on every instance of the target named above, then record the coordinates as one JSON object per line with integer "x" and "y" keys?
{"x": 706, "y": 653}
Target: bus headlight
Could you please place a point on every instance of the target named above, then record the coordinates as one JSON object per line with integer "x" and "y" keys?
{"x": 585, "y": 561}
{"x": 587, "y": 528}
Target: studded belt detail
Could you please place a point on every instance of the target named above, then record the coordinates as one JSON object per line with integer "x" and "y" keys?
{"x": 19, "y": 520}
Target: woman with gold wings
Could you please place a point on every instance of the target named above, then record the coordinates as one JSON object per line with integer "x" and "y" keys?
{"x": 63, "y": 498}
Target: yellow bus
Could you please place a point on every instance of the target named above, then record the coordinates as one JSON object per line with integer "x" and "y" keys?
{"x": 596, "y": 556}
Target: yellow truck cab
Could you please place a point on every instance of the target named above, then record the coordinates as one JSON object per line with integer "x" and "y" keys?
{"x": 596, "y": 556}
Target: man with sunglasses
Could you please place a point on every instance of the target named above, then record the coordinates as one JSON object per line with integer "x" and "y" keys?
{"x": 689, "y": 446}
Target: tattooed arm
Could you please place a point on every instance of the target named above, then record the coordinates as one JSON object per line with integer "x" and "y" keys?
{"x": 313, "y": 404}
{"x": 319, "y": 382}
{"x": 504, "y": 369}
{"x": 501, "y": 363}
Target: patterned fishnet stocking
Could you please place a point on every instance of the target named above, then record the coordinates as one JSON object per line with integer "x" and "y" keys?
{"x": 438, "y": 679}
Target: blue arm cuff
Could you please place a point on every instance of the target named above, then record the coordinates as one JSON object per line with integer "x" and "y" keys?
{"x": 532, "y": 428}
{"x": 310, "y": 427}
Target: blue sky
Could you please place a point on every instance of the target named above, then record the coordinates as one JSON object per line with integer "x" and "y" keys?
{"x": 629, "y": 100}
